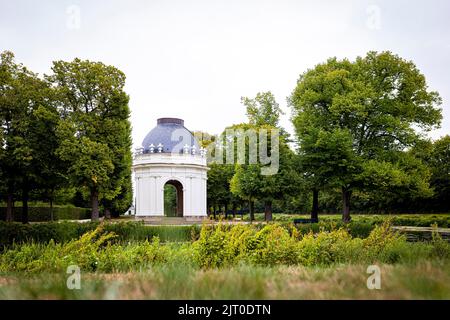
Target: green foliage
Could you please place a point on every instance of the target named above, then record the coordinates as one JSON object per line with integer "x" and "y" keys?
{"x": 100, "y": 249}
{"x": 263, "y": 109}
{"x": 27, "y": 112}
{"x": 354, "y": 119}
{"x": 95, "y": 130}
{"x": 62, "y": 232}
{"x": 441, "y": 248}
{"x": 273, "y": 244}
{"x": 436, "y": 155}
{"x": 39, "y": 214}
{"x": 170, "y": 201}
{"x": 95, "y": 250}
{"x": 266, "y": 183}
{"x": 323, "y": 248}
{"x": 32, "y": 257}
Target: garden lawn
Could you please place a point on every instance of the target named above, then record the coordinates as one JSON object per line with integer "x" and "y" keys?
{"x": 424, "y": 280}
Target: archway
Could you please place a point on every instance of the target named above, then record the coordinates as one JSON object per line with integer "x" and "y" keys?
{"x": 173, "y": 199}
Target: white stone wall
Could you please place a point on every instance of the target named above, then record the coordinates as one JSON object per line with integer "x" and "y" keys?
{"x": 152, "y": 171}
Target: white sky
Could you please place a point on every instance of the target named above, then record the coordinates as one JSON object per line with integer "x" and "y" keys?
{"x": 195, "y": 59}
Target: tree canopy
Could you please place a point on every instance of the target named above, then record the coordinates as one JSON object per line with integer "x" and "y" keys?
{"x": 353, "y": 119}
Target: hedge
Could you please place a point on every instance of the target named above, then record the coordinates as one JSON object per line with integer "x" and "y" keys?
{"x": 60, "y": 232}
{"x": 37, "y": 214}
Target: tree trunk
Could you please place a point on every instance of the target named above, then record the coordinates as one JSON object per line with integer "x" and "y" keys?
{"x": 107, "y": 214}
{"x": 251, "y": 210}
{"x": 25, "y": 204}
{"x": 268, "y": 210}
{"x": 94, "y": 205}
{"x": 315, "y": 206}
{"x": 346, "y": 195}
{"x": 234, "y": 211}
{"x": 214, "y": 211}
{"x": 10, "y": 208}
{"x": 226, "y": 211}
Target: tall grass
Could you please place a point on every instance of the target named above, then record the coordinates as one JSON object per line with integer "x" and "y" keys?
{"x": 423, "y": 280}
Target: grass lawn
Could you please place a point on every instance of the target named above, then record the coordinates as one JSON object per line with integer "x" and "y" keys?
{"x": 424, "y": 280}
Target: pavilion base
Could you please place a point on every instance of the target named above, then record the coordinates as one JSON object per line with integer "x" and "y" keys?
{"x": 155, "y": 220}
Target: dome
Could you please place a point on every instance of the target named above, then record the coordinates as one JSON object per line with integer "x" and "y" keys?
{"x": 172, "y": 134}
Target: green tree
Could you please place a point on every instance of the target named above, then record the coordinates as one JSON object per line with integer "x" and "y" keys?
{"x": 95, "y": 130}
{"x": 249, "y": 181}
{"x": 50, "y": 170}
{"x": 263, "y": 109}
{"x": 218, "y": 185}
{"x": 23, "y": 96}
{"x": 440, "y": 169}
{"x": 353, "y": 116}
{"x": 436, "y": 155}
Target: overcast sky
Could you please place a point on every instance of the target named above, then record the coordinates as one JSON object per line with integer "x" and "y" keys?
{"x": 195, "y": 59}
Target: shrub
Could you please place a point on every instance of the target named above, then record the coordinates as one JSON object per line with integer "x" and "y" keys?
{"x": 127, "y": 257}
{"x": 218, "y": 246}
{"x": 272, "y": 245}
{"x": 210, "y": 248}
{"x": 382, "y": 244}
{"x": 222, "y": 245}
{"x": 441, "y": 248}
{"x": 34, "y": 257}
{"x": 322, "y": 248}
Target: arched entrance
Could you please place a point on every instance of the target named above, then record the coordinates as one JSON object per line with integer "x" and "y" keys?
{"x": 173, "y": 199}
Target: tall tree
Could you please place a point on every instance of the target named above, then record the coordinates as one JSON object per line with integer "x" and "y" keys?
{"x": 352, "y": 116}
{"x": 95, "y": 128}
{"x": 249, "y": 181}
{"x": 50, "y": 171}
{"x": 22, "y": 95}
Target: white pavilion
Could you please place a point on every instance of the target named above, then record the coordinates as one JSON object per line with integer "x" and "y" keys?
{"x": 170, "y": 156}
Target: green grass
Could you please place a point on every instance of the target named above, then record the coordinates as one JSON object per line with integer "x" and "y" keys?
{"x": 424, "y": 280}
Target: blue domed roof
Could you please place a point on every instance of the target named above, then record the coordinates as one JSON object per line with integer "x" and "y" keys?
{"x": 172, "y": 134}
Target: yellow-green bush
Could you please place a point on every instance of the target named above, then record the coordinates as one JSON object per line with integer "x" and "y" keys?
{"x": 322, "y": 248}
{"x": 271, "y": 245}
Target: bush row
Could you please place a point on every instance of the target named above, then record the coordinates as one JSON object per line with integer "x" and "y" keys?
{"x": 418, "y": 220}
{"x": 36, "y": 214}
{"x": 274, "y": 244}
{"x": 65, "y": 231}
{"x": 61, "y": 232}
{"x": 221, "y": 246}
{"x": 95, "y": 250}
